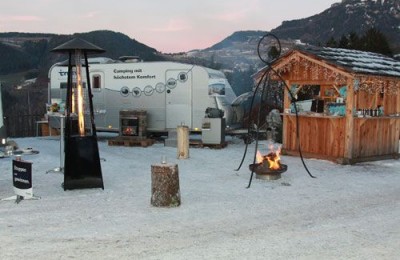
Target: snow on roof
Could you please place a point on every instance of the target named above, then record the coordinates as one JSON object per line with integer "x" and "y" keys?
{"x": 357, "y": 61}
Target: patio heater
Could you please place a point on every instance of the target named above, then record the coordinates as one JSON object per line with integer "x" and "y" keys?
{"x": 82, "y": 167}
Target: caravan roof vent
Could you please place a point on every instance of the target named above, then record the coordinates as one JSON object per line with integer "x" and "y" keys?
{"x": 100, "y": 60}
{"x": 130, "y": 59}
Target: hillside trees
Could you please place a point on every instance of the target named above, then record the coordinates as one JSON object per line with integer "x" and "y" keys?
{"x": 13, "y": 60}
{"x": 241, "y": 80}
{"x": 372, "y": 40}
{"x": 37, "y": 50}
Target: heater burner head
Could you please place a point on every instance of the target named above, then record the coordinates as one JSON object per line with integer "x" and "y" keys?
{"x": 78, "y": 44}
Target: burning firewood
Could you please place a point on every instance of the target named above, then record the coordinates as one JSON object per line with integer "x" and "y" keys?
{"x": 268, "y": 166}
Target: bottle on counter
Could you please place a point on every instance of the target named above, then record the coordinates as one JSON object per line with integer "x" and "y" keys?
{"x": 380, "y": 110}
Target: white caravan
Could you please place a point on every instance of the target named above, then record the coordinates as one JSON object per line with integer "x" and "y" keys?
{"x": 171, "y": 93}
{"x": 3, "y": 133}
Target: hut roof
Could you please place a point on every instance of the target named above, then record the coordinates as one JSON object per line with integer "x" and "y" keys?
{"x": 358, "y": 62}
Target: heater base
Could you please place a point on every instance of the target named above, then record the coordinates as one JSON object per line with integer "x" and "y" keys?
{"x": 82, "y": 169}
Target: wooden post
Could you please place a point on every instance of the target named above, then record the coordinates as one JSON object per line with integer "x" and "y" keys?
{"x": 286, "y": 105}
{"x": 349, "y": 127}
{"x": 165, "y": 185}
{"x": 182, "y": 142}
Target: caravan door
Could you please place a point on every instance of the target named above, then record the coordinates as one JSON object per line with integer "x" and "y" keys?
{"x": 178, "y": 98}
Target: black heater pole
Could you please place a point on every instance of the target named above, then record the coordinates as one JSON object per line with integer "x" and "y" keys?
{"x": 82, "y": 167}
{"x": 90, "y": 95}
{"x": 68, "y": 99}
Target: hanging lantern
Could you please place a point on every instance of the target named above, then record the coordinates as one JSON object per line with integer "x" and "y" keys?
{"x": 82, "y": 167}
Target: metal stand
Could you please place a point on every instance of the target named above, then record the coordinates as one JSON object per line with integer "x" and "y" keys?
{"x": 61, "y": 168}
{"x": 19, "y": 198}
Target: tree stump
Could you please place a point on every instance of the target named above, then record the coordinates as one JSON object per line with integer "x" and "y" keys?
{"x": 182, "y": 142}
{"x": 165, "y": 185}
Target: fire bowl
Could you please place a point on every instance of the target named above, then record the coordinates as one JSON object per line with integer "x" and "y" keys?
{"x": 265, "y": 173}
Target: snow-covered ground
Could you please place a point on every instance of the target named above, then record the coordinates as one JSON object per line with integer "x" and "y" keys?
{"x": 347, "y": 212}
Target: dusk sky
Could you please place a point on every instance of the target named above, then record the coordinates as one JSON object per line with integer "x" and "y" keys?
{"x": 166, "y": 25}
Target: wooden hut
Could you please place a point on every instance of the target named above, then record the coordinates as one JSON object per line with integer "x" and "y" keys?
{"x": 351, "y": 111}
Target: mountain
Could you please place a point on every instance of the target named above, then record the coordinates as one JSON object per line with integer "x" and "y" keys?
{"x": 237, "y": 54}
{"x": 239, "y": 50}
{"x": 241, "y": 36}
{"x": 28, "y": 51}
{"x": 346, "y": 17}
{"x": 21, "y": 60}
{"x": 25, "y": 56}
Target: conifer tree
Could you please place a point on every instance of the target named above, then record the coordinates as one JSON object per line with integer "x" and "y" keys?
{"x": 331, "y": 43}
{"x": 343, "y": 42}
{"x": 375, "y": 41}
{"x": 354, "y": 41}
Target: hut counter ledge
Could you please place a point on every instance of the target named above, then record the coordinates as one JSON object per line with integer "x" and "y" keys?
{"x": 314, "y": 115}
{"x": 320, "y": 115}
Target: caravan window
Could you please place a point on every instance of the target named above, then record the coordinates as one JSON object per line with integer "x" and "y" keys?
{"x": 96, "y": 81}
{"x": 216, "y": 89}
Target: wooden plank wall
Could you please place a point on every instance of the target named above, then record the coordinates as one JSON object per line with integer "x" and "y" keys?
{"x": 367, "y": 100}
{"x": 322, "y": 136}
{"x": 391, "y": 104}
{"x": 375, "y": 137}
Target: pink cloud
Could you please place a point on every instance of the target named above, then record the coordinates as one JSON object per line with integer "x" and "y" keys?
{"x": 230, "y": 17}
{"x": 174, "y": 25}
{"x": 24, "y": 18}
{"x": 239, "y": 11}
{"x": 92, "y": 14}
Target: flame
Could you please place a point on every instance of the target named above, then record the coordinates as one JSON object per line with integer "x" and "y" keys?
{"x": 128, "y": 131}
{"x": 79, "y": 89}
{"x": 259, "y": 157}
{"x": 73, "y": 101}
{"x": 273, "y": 158}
